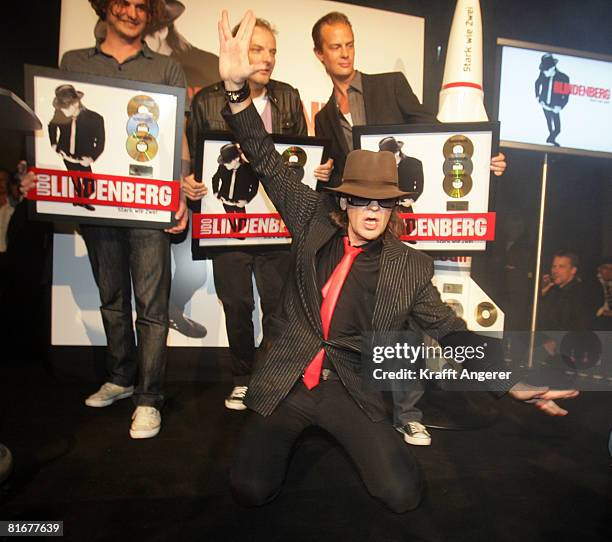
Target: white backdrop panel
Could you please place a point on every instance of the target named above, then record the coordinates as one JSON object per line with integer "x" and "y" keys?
{"x": 385, "y": 41}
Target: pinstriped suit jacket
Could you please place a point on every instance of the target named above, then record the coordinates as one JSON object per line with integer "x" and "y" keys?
{"x": 404, "y": 289}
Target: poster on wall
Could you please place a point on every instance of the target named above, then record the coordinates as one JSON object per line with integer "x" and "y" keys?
{"x": 548, "y": 95}
{"x": 109, "y": 150}
{"x": 236, "y": 211}
{"x": 386, "y": 41}
{"x": 445, "y": 168}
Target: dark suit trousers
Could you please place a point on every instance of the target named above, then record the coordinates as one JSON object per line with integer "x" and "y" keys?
{"x": 83, "y": 187}
{"x": 553, "y": 121}
{"x": 233, "y": 272}
{"x": 236, "y": 224}
{"x": 385, "y": 463}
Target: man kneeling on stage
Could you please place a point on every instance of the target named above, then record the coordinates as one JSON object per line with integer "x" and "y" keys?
{"x": 350, "y": 275}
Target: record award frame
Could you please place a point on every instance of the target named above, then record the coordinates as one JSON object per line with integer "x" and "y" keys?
{"x": 446, "y": 167}
{"x": 101, "y": 145}
{"x": 214, "y": 149}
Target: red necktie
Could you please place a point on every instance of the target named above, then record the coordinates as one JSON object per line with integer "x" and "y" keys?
{"x": 331, "y": 293}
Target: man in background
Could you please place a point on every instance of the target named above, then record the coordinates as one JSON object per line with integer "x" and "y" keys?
{"x": 603, "y": 313}
{"x": 563, "y": 306}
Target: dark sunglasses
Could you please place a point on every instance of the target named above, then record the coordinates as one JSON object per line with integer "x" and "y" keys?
{"x": 356, "y": 201}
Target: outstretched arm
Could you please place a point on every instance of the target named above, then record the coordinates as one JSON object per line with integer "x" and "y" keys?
{"x": 439, "y": 321}
{"x": 295, "y": 201}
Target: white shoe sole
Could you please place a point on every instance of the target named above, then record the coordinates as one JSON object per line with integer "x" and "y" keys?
{"x": 144, "y": 434}
{"x": 235, "y": 406}
{"x": 417, "y": 441}
{"x": 99, "y": 404}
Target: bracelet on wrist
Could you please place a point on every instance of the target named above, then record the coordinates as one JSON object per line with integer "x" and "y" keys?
{"x": 240, "y": 95}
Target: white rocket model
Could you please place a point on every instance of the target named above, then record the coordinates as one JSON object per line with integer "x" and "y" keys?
{"x": 462, "y": 100}
{"x": 461, "y": 96}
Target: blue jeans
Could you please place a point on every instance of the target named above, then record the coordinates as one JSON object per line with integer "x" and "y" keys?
{"x": 121, "y": 258}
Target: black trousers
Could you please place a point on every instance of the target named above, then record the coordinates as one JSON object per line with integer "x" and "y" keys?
{"x": 233, "y": 272}
{"x": 387, "y": 467}
{"x": 236, "y": 224}
{"x": 83, "y": 187}
{"x": 553, "y": 121}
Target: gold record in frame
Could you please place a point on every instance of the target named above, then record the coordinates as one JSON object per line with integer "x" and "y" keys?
{"x": 486, "y": 314}
{"x": 457, "y": 186}
{"x": 143, "y": 105}
{"x": 294, "y": 157}
{"x": 142, "y": 149}
{"x": 141, "y": 125}
{"x": 457, "y": 165}
{"x": 458, "y": 144}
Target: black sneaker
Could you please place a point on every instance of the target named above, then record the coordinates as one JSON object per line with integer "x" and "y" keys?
{"x": 235, "y": 400}
{"x": 184, "y": 325}
{"x": 415, "y": 433}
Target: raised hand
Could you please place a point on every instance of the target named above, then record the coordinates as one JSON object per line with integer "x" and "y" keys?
{"x": 234, "y": 65}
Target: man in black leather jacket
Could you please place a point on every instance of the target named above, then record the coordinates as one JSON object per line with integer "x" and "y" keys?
{"x": 285, "y": 104}
{"x": 280, "y": 107}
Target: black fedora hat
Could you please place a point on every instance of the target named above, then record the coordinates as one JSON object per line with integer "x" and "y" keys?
{"x": 66, "y": 95}
{"x": 390, "y": 144}
{"x": 227, "y": 153}
{"x": 547, "y": 62}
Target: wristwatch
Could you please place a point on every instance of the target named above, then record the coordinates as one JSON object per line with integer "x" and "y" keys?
{"x": 237, "y": 96}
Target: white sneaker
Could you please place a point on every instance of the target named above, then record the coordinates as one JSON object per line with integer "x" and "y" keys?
{"x": 146, "y": 422}
{"x": 235, "y": 400}
{"x": 108, "y": 394}
{"x": 415, "y": 433}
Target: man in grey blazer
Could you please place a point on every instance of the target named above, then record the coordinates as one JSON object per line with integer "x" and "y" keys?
{"x": 359, "y": 98}
{"x": 388, "y": 284}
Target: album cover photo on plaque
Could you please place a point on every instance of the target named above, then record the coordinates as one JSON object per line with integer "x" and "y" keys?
{"x": 236, "y": 212}
{"x": 109, "y": 151}
{"x": 445, "y": 167}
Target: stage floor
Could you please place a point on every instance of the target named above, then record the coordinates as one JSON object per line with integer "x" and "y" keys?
{"x": 523, "y": 477}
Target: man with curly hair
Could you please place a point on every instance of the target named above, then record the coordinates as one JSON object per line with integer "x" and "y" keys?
{"x": 123, "y": 259}
{"x": 154, "y": 12}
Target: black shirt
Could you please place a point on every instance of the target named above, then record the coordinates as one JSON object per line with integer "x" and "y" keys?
{"x": 564, "y": 309}
{"x": 355, "y": 307}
